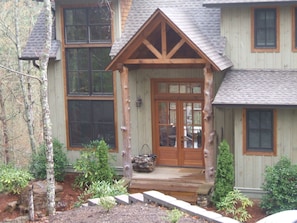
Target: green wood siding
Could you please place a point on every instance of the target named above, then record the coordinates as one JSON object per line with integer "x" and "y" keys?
{"x": 236, "y": 27}
{"x": 249, "y": 169}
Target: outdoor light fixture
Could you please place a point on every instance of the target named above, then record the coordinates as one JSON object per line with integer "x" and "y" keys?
{"x": 138, "y": 102}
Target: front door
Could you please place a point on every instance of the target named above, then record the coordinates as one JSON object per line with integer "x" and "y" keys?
{"x": 178, "y": 128}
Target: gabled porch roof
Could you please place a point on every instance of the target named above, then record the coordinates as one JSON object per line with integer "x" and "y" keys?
{"x": 193, "y": 34}
{"x": 259, "y": 88}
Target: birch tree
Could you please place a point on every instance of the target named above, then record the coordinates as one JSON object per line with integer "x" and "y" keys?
{"x": 47, "y": 130}
{"x": 25, "y": 83}
{"x": 17, "y": 97}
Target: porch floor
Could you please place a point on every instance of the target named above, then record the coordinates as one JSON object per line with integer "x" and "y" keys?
{"x": 183, "y": 183}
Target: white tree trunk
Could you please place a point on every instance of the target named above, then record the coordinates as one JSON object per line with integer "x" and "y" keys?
{"x": 209, "y": 133}
{"x": 126, "y": 128}
{"x": 47, "y": 129}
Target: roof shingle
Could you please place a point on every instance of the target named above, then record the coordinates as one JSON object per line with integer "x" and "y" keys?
{"x": 258, "y": 88}
{"x": 35, "y": 43}
{"x": 220, "y": 3}
{"x": 199, "y": 24}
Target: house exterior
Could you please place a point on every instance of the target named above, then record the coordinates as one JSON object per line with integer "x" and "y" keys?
{"x": 177, "y": 77}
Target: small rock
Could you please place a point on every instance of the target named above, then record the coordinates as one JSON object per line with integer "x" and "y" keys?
{"x": 11, "y": 206}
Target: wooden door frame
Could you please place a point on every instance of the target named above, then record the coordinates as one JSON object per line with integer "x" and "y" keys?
{"x": 154, "y": 98}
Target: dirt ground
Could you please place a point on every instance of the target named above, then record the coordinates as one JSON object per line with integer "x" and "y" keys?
{"x": 145, "y": 213}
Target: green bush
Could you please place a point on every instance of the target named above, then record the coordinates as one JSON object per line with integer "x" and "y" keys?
{"x": 38, "y": 163}
{"x": 174, "y": 215}
{"x": 235, "y": 205}
{"x": 224, "y": 179}
{"x": 280, "y": 183}
{"x": 100, "y": 189}
{"x": 93, "y": 164}
{"x": 107, "y": 203}
{"x": 12, "y": 179}
{"x": 104, "y": 189}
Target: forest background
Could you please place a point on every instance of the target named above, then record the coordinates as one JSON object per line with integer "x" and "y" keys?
{"x": 21, "y": 129}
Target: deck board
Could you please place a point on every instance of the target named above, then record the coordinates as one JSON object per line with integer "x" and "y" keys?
{"x": 183, "y": 183}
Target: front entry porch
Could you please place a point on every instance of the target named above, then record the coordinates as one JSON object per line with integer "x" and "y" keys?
{"x": 183, "y": 183}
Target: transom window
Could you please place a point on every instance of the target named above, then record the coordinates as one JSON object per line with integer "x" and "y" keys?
{"x": 259, "y": 131}
{"x": 179, "y": 88}
{"x": 265, "y": 28}
{"x": 90, "y": 92}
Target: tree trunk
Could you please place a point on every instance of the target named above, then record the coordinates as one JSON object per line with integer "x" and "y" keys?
{"x": 209, "y": 133}
{"x": 47, "y": 130}
{"x": 24, "y": 81}
{"x": 126, "y": 128}
{"x": 3, "y": 120}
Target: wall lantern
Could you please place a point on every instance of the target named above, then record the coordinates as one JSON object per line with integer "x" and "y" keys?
{"x": 138, "y": 102}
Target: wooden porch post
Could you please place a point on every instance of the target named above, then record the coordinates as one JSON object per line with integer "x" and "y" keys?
{"x": 126, "y": 127}
{"x": 209, "y": 133}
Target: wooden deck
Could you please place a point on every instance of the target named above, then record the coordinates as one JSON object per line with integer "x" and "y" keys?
{"x": 182, "y": 183}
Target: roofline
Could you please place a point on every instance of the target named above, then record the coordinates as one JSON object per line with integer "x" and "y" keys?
{"x": 239, "y": 4}
{"x": 221, "y": 105}
{"x": 112, "y": 64}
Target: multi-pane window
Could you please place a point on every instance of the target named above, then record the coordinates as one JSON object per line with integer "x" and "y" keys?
{"x": 90, "y": 94}
{"x": 87, "y": 25}
{"x": 265, "y": 28}
{"x": 91, "y": 120}
{"x": 259, "y": 130}
{"x": 85, "y": 71}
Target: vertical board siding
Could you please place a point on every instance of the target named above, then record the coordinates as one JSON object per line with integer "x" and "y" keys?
{"x": 140, "y": 85}
{"x": 236, "y": 27}
{"x": 249, "y": 169}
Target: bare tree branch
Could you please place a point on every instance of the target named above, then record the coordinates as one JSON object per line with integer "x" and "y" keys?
{"x": 20, "y": 73}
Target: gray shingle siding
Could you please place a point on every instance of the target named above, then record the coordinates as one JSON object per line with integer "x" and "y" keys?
{"x": 258, "y": 88}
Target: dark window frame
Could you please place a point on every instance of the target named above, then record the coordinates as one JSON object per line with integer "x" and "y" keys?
{"x": 86, "y": 27}
{"x": 90, "y": 71}
{"x": 265, "y": 28}
{"x": 93, "y": 127}
{"x": 259, "y": 131}
{"x": 92, "y": 96}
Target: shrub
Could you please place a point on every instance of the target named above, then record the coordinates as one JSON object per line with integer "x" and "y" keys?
{"x": 100, "y": 189}
{"x": 38, "y": 163}
{"x": 280, "y": 183}
{"x": 107, "y": 203}
{"x": 234, "y": 205}
{"x": 104, "y": 189}
{"x": 93, "y": 164}
{"x": 224, "y": 179}
{"x": 12, "y": 179}
{"x": 174, "y": 215}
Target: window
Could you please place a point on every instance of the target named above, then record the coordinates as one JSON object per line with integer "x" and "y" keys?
{"x": 91, "y": 120}
{"x": 85, "y": 71}
{"x": 87, "y": 25}
{"x": 259, "y": 131}
{"x": 265, "y": 29}
{"x": 90, "y": 92}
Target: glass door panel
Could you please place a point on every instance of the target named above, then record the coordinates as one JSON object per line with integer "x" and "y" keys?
{"x": 167, "y": 123}
{"x": 192, "y": 135}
